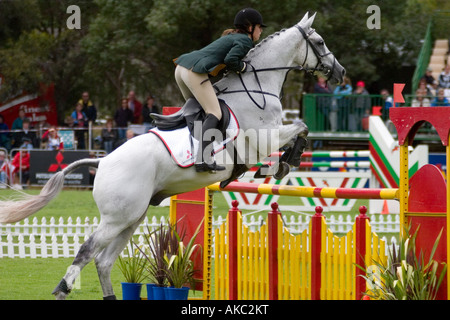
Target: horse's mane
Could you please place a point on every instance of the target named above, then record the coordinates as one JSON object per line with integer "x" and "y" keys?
{"x": 257, "y": 49}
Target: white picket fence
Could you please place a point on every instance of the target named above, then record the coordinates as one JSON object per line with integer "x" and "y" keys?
{"x": 62, "y": 238}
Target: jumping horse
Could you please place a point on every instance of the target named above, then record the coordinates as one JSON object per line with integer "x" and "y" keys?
{"x": 142, "y": 173}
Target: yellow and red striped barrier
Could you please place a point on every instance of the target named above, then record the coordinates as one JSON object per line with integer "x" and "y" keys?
{"x": 299, "y": 191}
{"x": 274, "y": 264}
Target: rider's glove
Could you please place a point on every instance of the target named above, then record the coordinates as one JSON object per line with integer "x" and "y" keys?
{"x": 244, "y": 68}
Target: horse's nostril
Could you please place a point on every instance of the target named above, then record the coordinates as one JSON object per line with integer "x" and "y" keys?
{"x": 343, "y": 72}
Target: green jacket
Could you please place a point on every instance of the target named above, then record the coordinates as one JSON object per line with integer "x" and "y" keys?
{"x": 228, "y": 50}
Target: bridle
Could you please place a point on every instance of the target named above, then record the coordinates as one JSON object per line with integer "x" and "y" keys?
{"x": 319, "y": 67}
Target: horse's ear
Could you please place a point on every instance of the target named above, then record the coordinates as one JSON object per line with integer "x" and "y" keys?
{"x": 304, "y": 19}
{"x": 310, "y": 20}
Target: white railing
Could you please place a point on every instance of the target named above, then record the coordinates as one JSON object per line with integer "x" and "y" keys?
{"x": 62, "y": 238}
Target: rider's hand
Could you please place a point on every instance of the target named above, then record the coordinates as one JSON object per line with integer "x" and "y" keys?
{"x": 244, "y": 68}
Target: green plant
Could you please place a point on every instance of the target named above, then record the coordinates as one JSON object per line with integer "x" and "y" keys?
{"x": 160, "y": 243}
{"x": 180, "y": 266}
{"x": 133, "y": 266}
{"x": 406, "y": 276}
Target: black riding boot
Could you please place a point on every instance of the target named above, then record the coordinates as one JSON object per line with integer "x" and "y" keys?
{"x": 207, "y": 164}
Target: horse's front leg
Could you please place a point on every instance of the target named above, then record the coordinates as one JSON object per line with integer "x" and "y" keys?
{"x": 288, "y": 134}
{"x": 293, "y": 137}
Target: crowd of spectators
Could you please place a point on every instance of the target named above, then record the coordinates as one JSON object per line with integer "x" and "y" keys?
{"x": 22, "y": 137}
{"x": 433, "y": 92}
{"x": 346, "y": 108}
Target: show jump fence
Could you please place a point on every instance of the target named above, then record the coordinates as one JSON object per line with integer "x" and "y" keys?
{"x": 272, "y": 263}
{"x": 61, "y": 238}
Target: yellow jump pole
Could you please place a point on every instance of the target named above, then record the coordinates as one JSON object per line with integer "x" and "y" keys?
{"x": 403, "y": 185}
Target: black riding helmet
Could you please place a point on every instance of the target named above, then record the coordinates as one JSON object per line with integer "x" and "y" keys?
{"x": 248, "y": 17}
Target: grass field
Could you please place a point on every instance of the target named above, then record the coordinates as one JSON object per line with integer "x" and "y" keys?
{"x": 35, "y": 279}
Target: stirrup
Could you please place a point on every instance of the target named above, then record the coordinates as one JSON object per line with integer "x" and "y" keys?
{"x": 204, "y": 167}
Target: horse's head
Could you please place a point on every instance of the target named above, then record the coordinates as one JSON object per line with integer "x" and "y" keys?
{"x": 316, "y": 58}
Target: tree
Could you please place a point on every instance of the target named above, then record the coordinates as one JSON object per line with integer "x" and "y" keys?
{"x": 41, "y": 50}
{"x": 125, "y": 45}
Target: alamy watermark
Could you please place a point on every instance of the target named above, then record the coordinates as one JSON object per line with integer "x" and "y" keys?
{"x": 374, "y": 20}
{"x": 74, "y": 20}
{"x": 251, "y": 145}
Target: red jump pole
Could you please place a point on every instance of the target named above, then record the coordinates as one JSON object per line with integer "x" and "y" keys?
{"x": 360, "y": 285}
{"x": 316, "y": 251}
{"x": 232, "y": 250}
{"x": 273, "y": 251}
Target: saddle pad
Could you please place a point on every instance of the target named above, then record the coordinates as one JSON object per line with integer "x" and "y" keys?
{"x": 183, "y": 147}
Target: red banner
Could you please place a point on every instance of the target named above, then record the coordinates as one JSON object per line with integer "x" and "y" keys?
{"x": 38, "y": 108}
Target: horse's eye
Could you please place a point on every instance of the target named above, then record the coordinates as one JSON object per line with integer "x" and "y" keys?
{"x": 321, "y": 43}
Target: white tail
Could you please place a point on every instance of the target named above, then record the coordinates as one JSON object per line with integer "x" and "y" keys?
{"x": 18, "y": 209}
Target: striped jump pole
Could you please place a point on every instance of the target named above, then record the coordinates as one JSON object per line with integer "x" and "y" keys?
{"x": 337, "y": 154}
{"x": 329, "y": 164}
{"x": 309, "y": 192}
{"x": 330, "y": 154}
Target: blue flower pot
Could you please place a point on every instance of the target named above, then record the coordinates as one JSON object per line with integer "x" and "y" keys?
{"x": 177, "y": 293}
{"x": 158, "y": 293}
{"x": 131, "y": 291}
{"x": 150, "y": 287}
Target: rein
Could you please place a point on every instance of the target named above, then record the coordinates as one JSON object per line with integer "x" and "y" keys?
{"x": 319, "y": 67}
{"x": 260, "y": 91}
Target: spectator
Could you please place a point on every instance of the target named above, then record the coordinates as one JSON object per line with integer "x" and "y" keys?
{"x": 388, "y": 102}
{"x": 89, "y": 108}
{"x": 423, "y": 86}
{"x": 26, "y": 144}
{"x": 148, "y": 108}
{"x": 17, "y": 124}
{"x": 420, "y": 100}
{"x": 122, "y": 117}
{"x": 430, "y": 81}
{"x": 444, "y": 81}
{"x": 26, "y": 132}
{"x": 5, "y": 140}
{"x": 136, "y": 107}
{"x": 79, "y": 120}
{"x": 129, "y": 135}
{"x": 53, "y": 140}
{"x": 361, "y": 106}
{"x": 341, "y": 106}
{"x": 21, "y": 163}
{"x": 109, "y": 136}
{"x": 440, "y": 100}
{"x": 323, "y": 104}
{"x": 4, "y": 169}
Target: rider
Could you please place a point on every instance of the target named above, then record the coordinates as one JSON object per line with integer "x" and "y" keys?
{"x": 191, "y": 73}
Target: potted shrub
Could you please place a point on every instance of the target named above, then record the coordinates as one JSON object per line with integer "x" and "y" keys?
{"x": 406, "y": 276}
{"x": 133, "y": 270}
{"x": 180, "y": 267}
{"x": 160, "y": 243}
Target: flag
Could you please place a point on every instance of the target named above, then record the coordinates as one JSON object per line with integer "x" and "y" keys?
{"x": 398, "y": 97}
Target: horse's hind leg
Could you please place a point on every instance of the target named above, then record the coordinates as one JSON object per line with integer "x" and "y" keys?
{"x": 105, "y": 260}
{"x": 99, "y": 239}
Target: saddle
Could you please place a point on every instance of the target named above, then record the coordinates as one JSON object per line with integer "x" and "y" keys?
{"x": 191, "y": 112}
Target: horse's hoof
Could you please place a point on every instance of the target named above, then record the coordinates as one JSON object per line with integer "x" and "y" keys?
{"x": 283, "y": 170}
{"x": 59, "y": 295}
{"x": 61, "y": 291}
